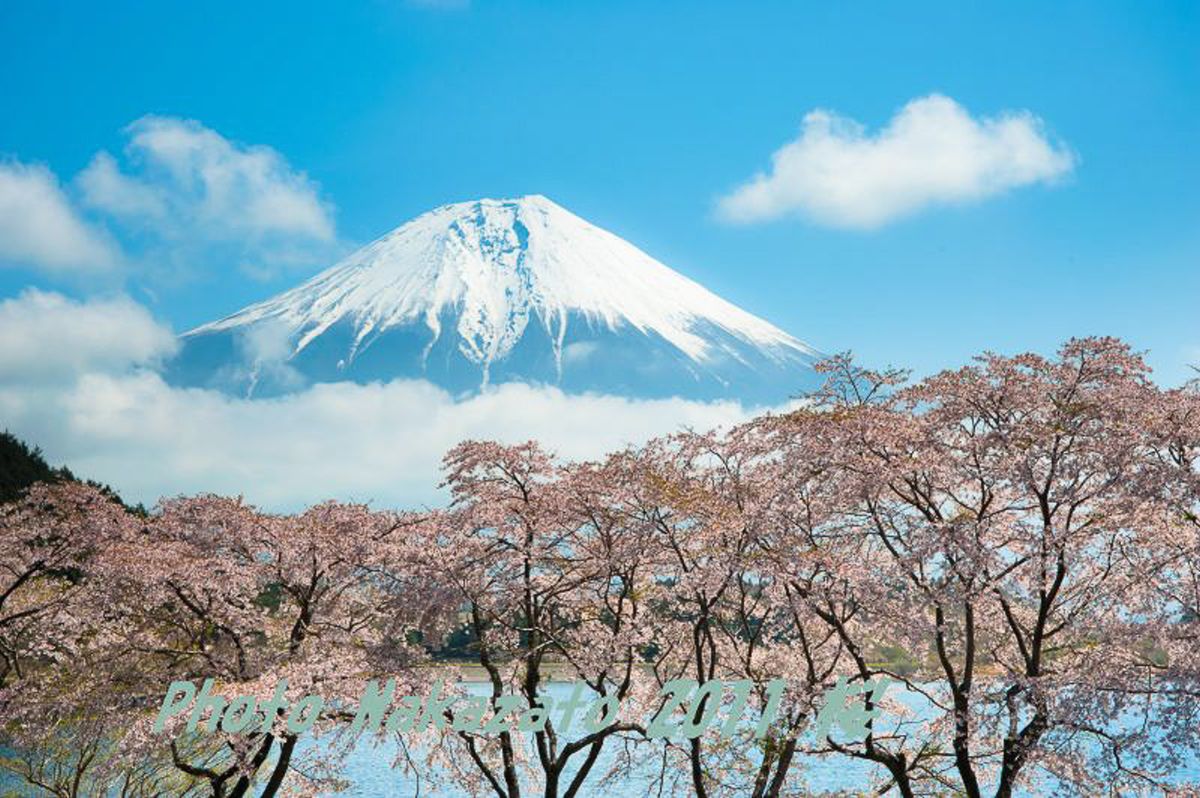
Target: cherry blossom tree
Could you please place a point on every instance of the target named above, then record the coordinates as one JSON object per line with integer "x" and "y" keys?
{"x": 546, "y": 569}
{"x": 209, "y": 588}
{"x": 46, "y": 537}
{"x": 992, "y": 511}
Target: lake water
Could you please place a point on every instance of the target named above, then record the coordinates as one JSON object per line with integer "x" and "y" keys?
{"x": 369, "y": 769}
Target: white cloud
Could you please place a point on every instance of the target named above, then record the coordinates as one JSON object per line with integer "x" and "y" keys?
{"x": 579, "y": 351}
{"x": 191, "y": 187}
{"x": 47, "y": 337}
{"x": 265, "y": 349}
{"x": 105, "y": 187}
{"x": 931, "y": 152}
{"x": 40, "y": 228}
{"x": 69, "y": 382}
{"x": 379, "y": 442}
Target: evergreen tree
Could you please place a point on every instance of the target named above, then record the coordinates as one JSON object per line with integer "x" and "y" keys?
{"x": 22, "y": 466}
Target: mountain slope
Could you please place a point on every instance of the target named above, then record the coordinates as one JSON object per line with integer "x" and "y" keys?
{"x": 497, "y": 290}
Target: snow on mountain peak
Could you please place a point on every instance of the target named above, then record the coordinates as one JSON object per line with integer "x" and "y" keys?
{"x": 501, "y": 290}
{"x": 501, "y": 265}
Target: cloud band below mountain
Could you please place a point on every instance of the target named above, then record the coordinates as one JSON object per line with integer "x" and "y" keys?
{"x": 109, "y": 415}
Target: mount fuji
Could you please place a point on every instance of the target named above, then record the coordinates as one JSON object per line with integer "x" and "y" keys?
{"x": 492, "y": 291}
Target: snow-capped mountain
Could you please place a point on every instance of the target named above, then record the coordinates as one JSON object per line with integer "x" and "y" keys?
{"x": 490, "y": 291}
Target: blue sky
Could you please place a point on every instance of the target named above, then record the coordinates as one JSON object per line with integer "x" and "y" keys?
{"x": 639, "y": 117}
